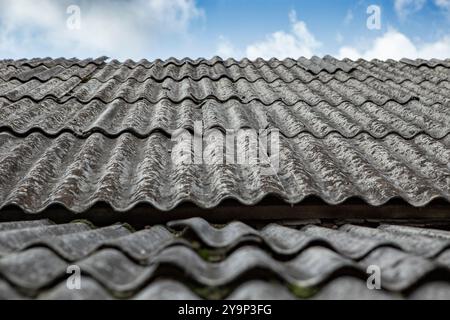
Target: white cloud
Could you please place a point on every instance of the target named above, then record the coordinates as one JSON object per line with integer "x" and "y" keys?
{"x": 395, "y": 45}
{"x": 226, "y": 49}
{"x": 443, "y": 4}
{"x": 109, "y": 27}
{"x": 407, "y": 7}
{"x": 298, "y": 42}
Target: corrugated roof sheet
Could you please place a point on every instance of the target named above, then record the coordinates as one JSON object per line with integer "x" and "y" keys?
{"x": 83, "y": 132}
{"x": 77, "y": 132}
{"x": 288, "y": 81}
{"x": 142, "y": 118}
{"x": 37, "y": 171}
{"x": 312, "y": 261}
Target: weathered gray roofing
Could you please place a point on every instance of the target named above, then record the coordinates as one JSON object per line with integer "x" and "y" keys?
{"x": 196, "y": 259}
{"x": 379, "y": 83}
{"x": 37, "y": 171}
{"x": 83, "y": 133}
{"x": 79, "y": 132}
{"x": 142, "y": 118}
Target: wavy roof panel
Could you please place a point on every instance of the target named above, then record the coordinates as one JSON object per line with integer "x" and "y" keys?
{"x": 210, "y": 262}
{"x": 78, "y": 132}
{"x": 142, "y": 118}
{"x": 37, "y": 171}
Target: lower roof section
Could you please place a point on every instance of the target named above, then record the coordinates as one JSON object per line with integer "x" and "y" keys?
{"x": 193, "y": 259}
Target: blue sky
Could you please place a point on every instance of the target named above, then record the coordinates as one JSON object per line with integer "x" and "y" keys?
{"x": 204, "y": 28}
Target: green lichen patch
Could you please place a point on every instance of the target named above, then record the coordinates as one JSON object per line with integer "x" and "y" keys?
{"x": 303, "y": 292}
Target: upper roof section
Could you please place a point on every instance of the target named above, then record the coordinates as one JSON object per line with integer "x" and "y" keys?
{"x": 83, "y": 133}
{"x": 318, "y": 96}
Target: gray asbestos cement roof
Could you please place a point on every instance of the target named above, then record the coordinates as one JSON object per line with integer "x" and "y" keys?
{"x": 76, "y": 135}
